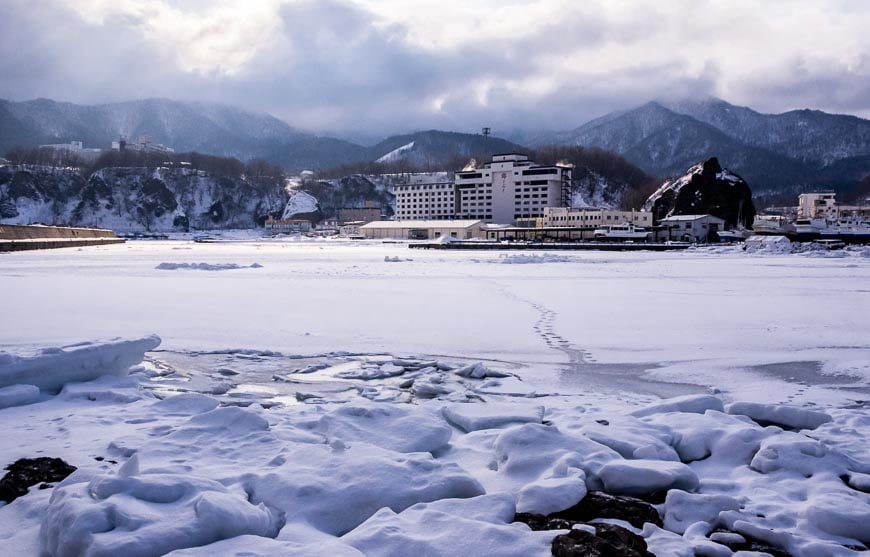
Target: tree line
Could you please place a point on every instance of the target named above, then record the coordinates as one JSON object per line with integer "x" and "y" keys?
{"x": 257, "y": 170}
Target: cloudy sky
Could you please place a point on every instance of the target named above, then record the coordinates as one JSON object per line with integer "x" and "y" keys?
{"x": 380, "y": 66}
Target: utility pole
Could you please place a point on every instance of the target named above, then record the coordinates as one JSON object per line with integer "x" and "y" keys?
{"x": 486, "y": 133}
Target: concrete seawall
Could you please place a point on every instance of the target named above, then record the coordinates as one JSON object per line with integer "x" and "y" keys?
{"x": 17, "y": 237}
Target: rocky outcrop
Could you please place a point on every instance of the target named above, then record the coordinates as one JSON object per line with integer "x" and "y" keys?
{"x": 27, "y": 472}
{"x": 136, "y": 198}
{"x": 608, "y": 540}
{"x": 706, "y": 188}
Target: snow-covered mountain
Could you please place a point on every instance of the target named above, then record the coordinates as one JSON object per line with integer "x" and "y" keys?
{"x": 183, "y": 126}
{"x": 773, "y": 151}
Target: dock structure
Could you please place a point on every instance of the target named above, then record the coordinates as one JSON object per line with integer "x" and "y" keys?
{"x": 553, "y": 246}
{"x": 20, "y": 237}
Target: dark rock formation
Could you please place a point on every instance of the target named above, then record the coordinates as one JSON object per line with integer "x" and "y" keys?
{"x": 598, "y": 504}
{"x": 706, "y": 188}
{"x": 609, "y": 541}
{"x": 27, "y": 472}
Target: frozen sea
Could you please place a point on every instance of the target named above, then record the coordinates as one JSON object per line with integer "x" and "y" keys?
{"x": 320, "y": 395}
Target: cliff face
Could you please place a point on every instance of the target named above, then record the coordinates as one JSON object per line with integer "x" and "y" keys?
{"x": 706, "y": 188}
{"x": 135, "y": 199}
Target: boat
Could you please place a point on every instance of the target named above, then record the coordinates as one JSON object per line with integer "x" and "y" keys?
{"x": 738, "y": 234}
{"x": 621, "y": 232}
{"x": 772, "y": 225}
{"x": 850, "y": 231}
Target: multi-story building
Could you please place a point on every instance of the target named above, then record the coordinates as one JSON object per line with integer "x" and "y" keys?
{"x": 425, "y": 197}
{"x": 817, "y": 205}
{"x": 368, "y": 213}
{"x": 510, "y": 188}
{"x": 588, "y": 217}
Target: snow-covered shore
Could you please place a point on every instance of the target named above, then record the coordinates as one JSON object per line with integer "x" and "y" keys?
{"x": 332, "y": 403}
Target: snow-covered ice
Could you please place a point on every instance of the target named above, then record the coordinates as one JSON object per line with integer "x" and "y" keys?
{"x": 329, "y": 404}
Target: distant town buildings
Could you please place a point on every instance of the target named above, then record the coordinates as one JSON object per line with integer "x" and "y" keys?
{"x": 75, "y": 148}
{"x": 143, "y": 144}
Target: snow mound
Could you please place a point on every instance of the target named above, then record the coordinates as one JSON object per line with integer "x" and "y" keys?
{"x": 148, "y": 515}
{"x": 390, "y": 427}
{"x": 527, "y": 258}
{"x": 166, "y": 266}
{"x": 51, "y": 368}
{"x": 696, "y": 404}
{"x": 789, "y": 417}
{"x": 683, "y": 509}
{"x": 478, "y": 526}
{"x": 335, "y": 488}
{"x": 645, "y": 477}
{"x": 552, "y": 495}
{"x": 474, "y": 417}
{"x": 18, "y": 395}
{"x": 258, "y": 546}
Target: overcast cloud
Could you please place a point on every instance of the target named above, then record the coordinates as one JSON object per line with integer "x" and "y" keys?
{"x": 384, "y": 66}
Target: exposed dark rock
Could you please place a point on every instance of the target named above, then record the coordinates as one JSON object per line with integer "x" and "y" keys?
{"x": 27, "y": 472}
{"x": 706, "y": 188}
{"x": 539, "y": 522}
{"x": 609, "y": 541}
{"x": 598, "y": 504}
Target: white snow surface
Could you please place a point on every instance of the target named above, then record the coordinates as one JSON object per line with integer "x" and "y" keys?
{"x": 299, "y": 202}
{"x": 396, "y": 154}
{"x": 329, "y": 404}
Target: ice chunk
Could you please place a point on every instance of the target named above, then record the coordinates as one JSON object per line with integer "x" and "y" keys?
{"x": 447, "y": 530}
{"x": 530, "y": 452}
{"x": 336, "y": 490}
{"x": 391, "y": 427}
{"x": 473, "y": 417}
{"x": 684, "y": 509}
{"x": 551, "y": 495}
{"x": 478, "y": 371}
{"x": 258, "y": 546}
{"x": 696, "y": 404}
{"x": 841, "y": 513}
{"x": 797, "y": 453}
{"x": 186, "y": 404}
{"x": 50, "y": 369}
{"x": 789, "y": 417}
{"x": 18, "y": 395}
{"x": 644, "y": 477}
{"x": 148, "y": 515}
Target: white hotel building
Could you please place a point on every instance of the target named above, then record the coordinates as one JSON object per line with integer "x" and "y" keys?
{"x": 425, "y": 197}
{"x": 509, "y": 188}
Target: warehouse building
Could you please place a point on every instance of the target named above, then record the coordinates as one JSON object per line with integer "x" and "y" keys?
{"x": 423, "y": 229}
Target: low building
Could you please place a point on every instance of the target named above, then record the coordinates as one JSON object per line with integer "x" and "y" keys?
{"x": 423, "y": 229}
{"x": 286, "y": 226}
{"x": 690, "y": 228}
{"x": 589, "y": 218}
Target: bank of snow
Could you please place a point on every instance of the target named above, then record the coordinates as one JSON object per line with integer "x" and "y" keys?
{"x": 196, "y": 474}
